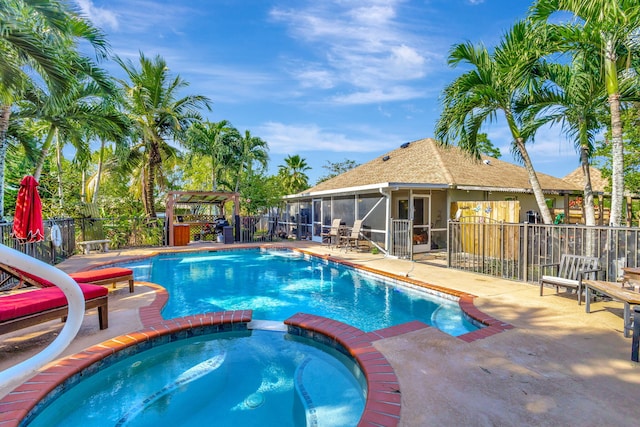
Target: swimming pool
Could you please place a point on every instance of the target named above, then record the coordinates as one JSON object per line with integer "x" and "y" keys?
{"x": 276, "y": 284}
{"x": 254, "y": 377}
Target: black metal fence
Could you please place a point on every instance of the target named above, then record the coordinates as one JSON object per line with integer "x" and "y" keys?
{"x": 123, "y": 232}
{"x": 45, "y": 250}
{"x": 517, "y": 251}
{"x": 127, "y": 232}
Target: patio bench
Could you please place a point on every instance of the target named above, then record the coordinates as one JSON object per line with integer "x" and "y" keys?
{"x": 569, "y": 272}
{"x": 89, "y": 245}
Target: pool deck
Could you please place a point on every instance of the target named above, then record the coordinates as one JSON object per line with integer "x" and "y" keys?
{"x": 558, "y": 365}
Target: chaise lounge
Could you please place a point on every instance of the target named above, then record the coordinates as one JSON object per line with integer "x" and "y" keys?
{"x": 104, "y": 276}
{"x": 30, "y": 308}
{"x": 24, "y": 309}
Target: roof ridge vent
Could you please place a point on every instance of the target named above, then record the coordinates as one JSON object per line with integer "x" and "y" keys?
{"x": 405, "y": 145}
{"x": 385, "y": 158}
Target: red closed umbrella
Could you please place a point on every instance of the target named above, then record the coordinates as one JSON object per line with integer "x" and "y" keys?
{"x": 27, "y": 222}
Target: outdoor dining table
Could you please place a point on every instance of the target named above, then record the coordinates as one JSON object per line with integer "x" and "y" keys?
{"x": 618, "y": 292}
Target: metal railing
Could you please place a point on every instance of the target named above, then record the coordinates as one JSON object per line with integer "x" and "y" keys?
{"x": 401, "y": 239}
{"x": 122, "y": 232}
{"x": 45, "y": 250}
{"x": 517, "y": 251}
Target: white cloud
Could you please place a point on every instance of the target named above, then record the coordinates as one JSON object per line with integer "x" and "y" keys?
{"x": 374, "y": 95}
{"x": 474, "y": 2}
{"x": 300, "y": 138}
{"x": 99, "y": 16}
{"x": 145, "y": 17}
{"x": 363, "y": 45}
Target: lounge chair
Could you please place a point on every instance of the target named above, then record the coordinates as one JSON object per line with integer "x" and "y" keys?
{"x": 24, "y": 309}
{"x": 332, "y": 237}
{"x": 104, "y": 276}
{"x": 353, "y": 239}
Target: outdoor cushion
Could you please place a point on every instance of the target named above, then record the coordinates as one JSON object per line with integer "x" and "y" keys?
{"x": 101, "y": 274}
{"x": 26, "y": 303}
{"x": 559, "y": 280}
{"x": 81, "y": 277}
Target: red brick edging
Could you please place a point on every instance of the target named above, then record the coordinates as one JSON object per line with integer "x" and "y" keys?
{"x": 16, "y": 405}
{"x": 465, "y": 300}
{"x": 383, "y": 403}
{"x": 382, "y": 406}
{"x": 151, "y": 314}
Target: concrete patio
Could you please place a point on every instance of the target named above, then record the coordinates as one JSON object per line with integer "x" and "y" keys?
{"x": 557, "y": 366}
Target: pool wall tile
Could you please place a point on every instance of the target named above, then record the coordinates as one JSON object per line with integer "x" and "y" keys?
{"x": 19, "y": 406}
{"x": 383, "y": 404}
{"x": 464, "y": 299}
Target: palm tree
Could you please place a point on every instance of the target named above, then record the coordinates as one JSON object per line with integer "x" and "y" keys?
{"x": 214, "y": 140}
{"x": 38, "y": 43}
{"x": 609, "y": 28}
{"x": 250, "y": 150}
{"x": 158, "y": 116}
{"x": 573, "y": 97}
{"x": 292, "y": 174}
{"x": 495, "y": 83}
{"x": 82, "y": 112}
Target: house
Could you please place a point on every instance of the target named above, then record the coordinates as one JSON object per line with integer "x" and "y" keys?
{"x": 601, "y": 191}
{"x": 418, "y": 186}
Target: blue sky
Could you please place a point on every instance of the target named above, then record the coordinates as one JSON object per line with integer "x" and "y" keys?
{"x": 328, "y": 80}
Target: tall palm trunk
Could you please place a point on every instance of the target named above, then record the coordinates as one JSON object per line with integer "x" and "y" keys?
{"x": 44, "y": 152}
{"x": 149, "y": 201}
{"x": 587, "y": 202}
{"x": 154, "y": 161}
{"x": 5, "y": 114}
{"x": 96, "y": 187}
{"x": 617, "y": 161}
{"x": 535, "y": 183}
{"x": 214, "y": 175}
{"x": 83, "y": 191}
{"x": 528, "y": 165}
{"x": 59, "y": 166}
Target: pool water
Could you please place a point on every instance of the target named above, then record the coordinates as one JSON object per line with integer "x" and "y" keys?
{"x": 264, "y": 378}
{"x": 277, "y": 284}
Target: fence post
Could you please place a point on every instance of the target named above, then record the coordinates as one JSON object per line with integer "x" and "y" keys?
{"x": 635, "y": 342}
{"x": 525, "y": 253}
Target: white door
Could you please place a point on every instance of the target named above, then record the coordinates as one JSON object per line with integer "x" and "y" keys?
{"x": 421, "y": 220}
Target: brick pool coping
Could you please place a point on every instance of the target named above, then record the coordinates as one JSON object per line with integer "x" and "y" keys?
{"x": 382, "y": 407}
{"x": 491, "y": 325}
{"x": 383, "y": 402}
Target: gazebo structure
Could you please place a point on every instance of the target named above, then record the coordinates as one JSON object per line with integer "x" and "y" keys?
{"x": 190, "y": 212}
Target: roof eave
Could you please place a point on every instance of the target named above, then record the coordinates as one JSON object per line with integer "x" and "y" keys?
{"x": 517, "y": 190}
{"x": 365, "y": 188}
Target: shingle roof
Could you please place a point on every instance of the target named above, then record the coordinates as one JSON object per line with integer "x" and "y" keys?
{"x": 598, "y": 183}
{"x": 427, "y": 162}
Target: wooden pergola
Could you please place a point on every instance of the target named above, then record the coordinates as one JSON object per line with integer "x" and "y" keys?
{"x": 186, "y": 199}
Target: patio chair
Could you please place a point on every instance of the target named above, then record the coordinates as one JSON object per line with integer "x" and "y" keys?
{"x": 332, "y": 236}
{"x": 24, "y": 309}
{"x": 353, "y": 239}
{"x": 104, "y": 276}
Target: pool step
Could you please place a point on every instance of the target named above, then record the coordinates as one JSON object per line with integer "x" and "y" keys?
{"x": 320, "y": 393}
